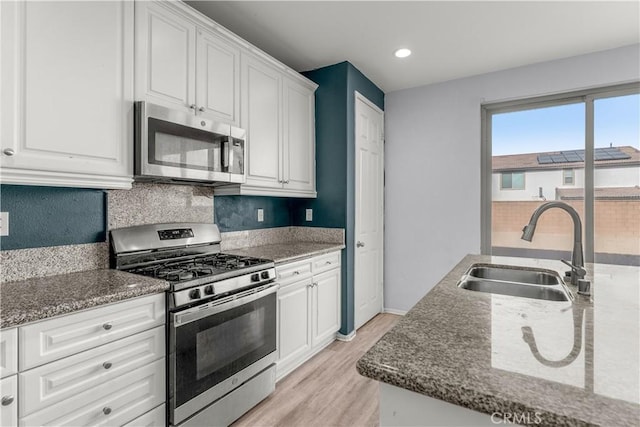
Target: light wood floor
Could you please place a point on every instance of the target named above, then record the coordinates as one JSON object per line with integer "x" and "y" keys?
{"x": 327, "y": 390}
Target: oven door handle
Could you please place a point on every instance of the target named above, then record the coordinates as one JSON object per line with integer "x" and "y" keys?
{"x": 192, "y": 314}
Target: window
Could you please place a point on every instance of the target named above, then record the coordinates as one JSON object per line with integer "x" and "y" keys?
{"x": 593, "y": 138}
{"x": 512, "y": 181}
{"x": 568, "y": 177}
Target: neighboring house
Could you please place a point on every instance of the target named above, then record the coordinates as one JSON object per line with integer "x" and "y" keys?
{"x": 560, "y": 175}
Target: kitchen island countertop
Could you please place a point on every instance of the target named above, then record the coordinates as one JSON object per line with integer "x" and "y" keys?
{"x": 565, "y": 364}
{"x": 40, "y": 298}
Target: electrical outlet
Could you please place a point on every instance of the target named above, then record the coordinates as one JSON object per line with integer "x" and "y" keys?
{"x": 309, "y": 215}
{"x": 260, "y": 215}
{"x": 4, "y": 223}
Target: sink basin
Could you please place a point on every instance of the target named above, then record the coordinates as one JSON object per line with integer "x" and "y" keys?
{"x": 525, "y": 282}
{"x": 515, "y": 274}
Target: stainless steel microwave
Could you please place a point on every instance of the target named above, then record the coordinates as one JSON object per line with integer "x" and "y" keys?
{"x": 181, "y": 147}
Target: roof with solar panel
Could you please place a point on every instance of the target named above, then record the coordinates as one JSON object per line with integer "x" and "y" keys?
{"x": 568, "y": 159}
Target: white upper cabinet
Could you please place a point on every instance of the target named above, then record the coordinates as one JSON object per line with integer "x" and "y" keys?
{"x": 218, "y": 77}
{"x": 183, "y": 65}
{"x": 298, "y": 153}
{"x": 67, "y": 92}
{"x": 278, "y": 112}
{"x": 165, "y": 56}
{"x": 262, "y": 120}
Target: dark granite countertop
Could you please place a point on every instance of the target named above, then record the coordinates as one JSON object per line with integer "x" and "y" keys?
{"x": 282, "y": 253}
{"x": 469, "y": 348}
{"x": 40, "y": 298}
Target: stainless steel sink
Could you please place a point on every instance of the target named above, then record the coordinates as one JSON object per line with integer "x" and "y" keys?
{"x": 515, "y": 274}
{"x": 515, "y": 281}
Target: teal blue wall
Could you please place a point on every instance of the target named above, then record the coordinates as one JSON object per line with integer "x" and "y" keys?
{"x": 335, "y": 163}
{"x": 234, "y": 213}
{"x": 52, "y": 216}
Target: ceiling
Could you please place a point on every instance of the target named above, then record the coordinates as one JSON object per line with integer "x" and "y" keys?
{"x": 449, "y": 39}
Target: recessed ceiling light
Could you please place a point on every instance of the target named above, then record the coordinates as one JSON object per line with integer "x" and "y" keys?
{"x": 402, "y": 53}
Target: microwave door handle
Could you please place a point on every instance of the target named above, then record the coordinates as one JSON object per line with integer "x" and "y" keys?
{"x": 225, "y": 154}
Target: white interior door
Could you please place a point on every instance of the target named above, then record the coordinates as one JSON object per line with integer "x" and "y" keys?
{"x": 369, "y": 210}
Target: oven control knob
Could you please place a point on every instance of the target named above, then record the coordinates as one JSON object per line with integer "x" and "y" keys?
{"x": 264, "y": 274}
{"x": 255, "y": 277}
{"x": 194, "y": 294}
{"x": 208, "y": 290}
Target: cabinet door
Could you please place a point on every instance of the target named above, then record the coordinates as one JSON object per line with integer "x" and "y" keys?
{"x": 9, "y": 398}
{"x": 67, "y": 92}
{"x": 262, "y": 91}
{"x": 8, "y": 352}
{"x": 62, "y": 336}
{"x": 326, "y": 308}
{"x": 55, "y": 382}
{"x": 218, "y": 78}
{"x": 294, "y": 303}
{"x": 112, "y": 403}
{"x": 154, "y": 418}
{"x": 165, "y": 56}
{"x": 299, "y": 137}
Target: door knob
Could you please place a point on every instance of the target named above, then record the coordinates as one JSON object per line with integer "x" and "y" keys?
{"x": 7, "y": 400}
{"x": 360, "y": 244}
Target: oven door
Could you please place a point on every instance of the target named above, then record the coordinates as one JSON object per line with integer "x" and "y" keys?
{"x": 217, "y": 346}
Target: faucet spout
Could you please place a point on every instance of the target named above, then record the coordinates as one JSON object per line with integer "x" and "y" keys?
{"x": 577, "y": 256}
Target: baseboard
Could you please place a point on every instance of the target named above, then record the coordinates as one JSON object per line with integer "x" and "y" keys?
{"x": 346, "y": 338}
{"x": 394, "y": 311}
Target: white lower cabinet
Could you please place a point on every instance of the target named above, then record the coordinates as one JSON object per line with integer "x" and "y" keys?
{"x": 112, "y": 403}
{"x": 8, "y": 352}
{"x": 9, "y": 401}
{"x": 153, "y": 418}
{"x": 308, "y": 309}
{"x": 102, "y": 366}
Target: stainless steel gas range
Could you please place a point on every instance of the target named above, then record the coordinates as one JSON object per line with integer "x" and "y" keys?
{"x": 221, "y": 337}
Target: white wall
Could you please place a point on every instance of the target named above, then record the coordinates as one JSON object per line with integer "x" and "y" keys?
{"x": 432, "y": 162}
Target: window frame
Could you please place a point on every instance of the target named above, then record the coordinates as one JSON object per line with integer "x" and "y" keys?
{"x": 572, "y": 175}
{"x": 586, "y": 97}
{"x": 524, "y": 177}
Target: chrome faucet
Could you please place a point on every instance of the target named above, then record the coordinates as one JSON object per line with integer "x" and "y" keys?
{"x": 577, "y": 258}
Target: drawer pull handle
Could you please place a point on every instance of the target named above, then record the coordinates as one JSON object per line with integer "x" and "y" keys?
{"x": 7, "y": 400}
{"x": 9, "y": 152}
{"x": 107, "y": 326}
{"x": 327, "y": 263}
{"x": 106, "y": 365}
{"x": 296, "y": 272}
{"x": 106, "y": 410}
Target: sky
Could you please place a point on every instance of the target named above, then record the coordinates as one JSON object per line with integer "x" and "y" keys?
{"x": 617, "y": 122}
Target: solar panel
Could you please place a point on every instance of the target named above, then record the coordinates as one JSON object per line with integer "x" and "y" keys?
{"x": 600, "y": 154}
{"x": 544, "y": 159}
{"x": 573, "y": 157}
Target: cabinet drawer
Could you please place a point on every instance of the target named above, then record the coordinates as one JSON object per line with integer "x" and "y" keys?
{"x": 63, "y": 336}
{"x": 155, "y": 418}
{"x": 115, "y": 402}
{"x": 292, "y": 272}
{"x": 56, "y": 381}
{"x": 326, "y": 262}
{"x": 8, "y": 352}
{"x": 9, "y": 406}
